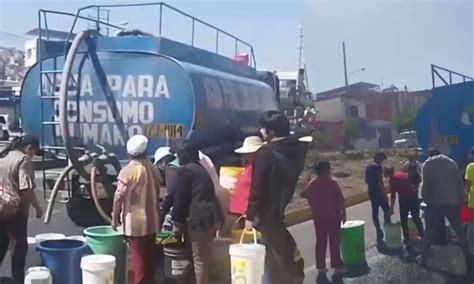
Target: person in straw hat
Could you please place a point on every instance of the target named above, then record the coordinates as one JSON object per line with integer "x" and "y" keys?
{"x": 240, "y": 199}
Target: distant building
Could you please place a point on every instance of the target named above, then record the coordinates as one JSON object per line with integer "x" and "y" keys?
{"x": 372, "y": 110}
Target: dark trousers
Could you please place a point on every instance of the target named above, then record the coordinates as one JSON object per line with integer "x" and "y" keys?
{"x": 143, "y": 251}
{"x": 382, "y": 202}
{"x": 282, "y": 258}
{"x": 434, "y": 218}
{"x": 328, "y": 231}
{"x": 412, "y": 206}
{"x": 16, "y": 228}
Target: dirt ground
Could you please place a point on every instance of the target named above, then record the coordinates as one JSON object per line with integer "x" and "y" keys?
{"x": 348, "y": 170}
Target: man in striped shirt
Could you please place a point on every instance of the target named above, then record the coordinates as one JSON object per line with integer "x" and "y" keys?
{"x": 136, "y": 207}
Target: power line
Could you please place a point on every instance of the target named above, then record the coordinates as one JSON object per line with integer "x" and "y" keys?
{"x": 13, "y": 35}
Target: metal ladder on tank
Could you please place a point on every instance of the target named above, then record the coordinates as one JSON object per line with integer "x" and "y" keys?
{"x": 49, "y": 87}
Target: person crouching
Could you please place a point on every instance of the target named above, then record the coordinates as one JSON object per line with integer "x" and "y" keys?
{"x": 136, "y": 206}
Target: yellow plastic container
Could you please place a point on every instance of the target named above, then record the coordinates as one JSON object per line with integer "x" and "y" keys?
{"x": 229, "y": 176}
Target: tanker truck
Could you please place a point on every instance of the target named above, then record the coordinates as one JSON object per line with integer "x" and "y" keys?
{"x": 446, "y": 120}
{"x": 88, "y": 93}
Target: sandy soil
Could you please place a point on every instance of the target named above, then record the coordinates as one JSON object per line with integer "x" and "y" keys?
{"x": 348, "y": 169}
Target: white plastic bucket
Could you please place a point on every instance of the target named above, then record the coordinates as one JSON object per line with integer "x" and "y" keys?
{"x": 247, "y": 262}
{"x": 38, "y": 275}
{"x": 49, "y": 236}
{"x": 33, "y": 258}
{"x": 77, "y": 238}
{"x": 393, "y": 236}
{"x": 98, "y": 269}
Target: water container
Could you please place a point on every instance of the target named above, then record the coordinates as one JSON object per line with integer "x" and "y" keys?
{"x": 393, "y": 236}
{"x": 98, "y": 269}
{"x": 33, "y": 258}
{"x": 104, "y": 240}
{"x": 40, "y": 238}
{"x": 77, "y": 238}
{"x": 353, "y": 243}
{"x": 38, "y": 275}
{"x": 178, "y": 264}
{"x": 63, "y": 258}
{"x": 412, "y": 230}
{"x": 247, "y": 262}
{"x": 49, "y": 236}
{"x": 228, "y": 177}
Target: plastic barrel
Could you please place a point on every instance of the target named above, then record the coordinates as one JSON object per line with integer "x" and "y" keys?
{"x": 63, "y": 258}
{"x": 104, "y": 240}
{"x": 98, "y": 269}
{"x": 393, "y": 237}
{"x": 353, "y": 243}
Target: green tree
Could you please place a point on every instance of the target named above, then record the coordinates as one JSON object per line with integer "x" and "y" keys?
{"x": 351, "y": 132}
{"x": 406, "y": 121}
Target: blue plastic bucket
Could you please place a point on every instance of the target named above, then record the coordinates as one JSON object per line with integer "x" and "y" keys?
{"x": 63, "y": 258}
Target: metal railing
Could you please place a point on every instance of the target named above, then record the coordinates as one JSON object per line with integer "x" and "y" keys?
{"x": 436, "y": 74}
{"x": 162, "y": 6}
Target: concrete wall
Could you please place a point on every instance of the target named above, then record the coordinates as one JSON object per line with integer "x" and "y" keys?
{"x": 330, "y": 109}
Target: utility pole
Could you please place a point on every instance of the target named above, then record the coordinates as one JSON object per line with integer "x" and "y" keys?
{"x": 345, "y": 63}
{"x": 301, "y": 46}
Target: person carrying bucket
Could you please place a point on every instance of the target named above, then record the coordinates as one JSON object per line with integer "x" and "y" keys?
{"x": 377, "y": 194}
{"x": 16, "y": 196}
{"x": 401, "y": 185}
{"x": 136, "y": 206}
{"x": 328, "y": 209}
{"x": 196, "y": 214}
{"x": 276, "y": 170}
{"x": 240, "y": 198}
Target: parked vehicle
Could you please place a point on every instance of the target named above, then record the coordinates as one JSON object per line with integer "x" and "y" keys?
{"x": 406, "y": 139}
{"x": 5, "y": 134}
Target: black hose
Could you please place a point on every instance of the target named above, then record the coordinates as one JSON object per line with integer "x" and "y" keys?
{"x": 63, "y": 98}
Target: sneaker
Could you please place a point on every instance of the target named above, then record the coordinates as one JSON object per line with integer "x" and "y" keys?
{"x": 421, "y": 260}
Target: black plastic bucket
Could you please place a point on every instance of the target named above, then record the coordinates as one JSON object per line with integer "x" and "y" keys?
{"x": 178, "y": 264}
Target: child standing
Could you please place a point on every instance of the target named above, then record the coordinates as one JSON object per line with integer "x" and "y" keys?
{"x": 328, "y": 209}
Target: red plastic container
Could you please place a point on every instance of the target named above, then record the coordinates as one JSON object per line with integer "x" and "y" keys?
{"x": 467, "y": 214}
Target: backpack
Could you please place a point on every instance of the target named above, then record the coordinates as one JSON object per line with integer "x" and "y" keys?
{"x": 9, "y": 202}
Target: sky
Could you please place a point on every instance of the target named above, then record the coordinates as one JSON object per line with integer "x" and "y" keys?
{"x": 395, "y": 41}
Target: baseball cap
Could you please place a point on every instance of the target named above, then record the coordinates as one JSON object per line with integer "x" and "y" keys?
{"x": 137, "y": 145}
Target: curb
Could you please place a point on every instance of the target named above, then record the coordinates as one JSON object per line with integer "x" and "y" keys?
{"x": 302, "y": 215}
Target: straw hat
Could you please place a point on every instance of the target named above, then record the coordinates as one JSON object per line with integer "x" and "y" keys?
{"x": 251, "y": 145}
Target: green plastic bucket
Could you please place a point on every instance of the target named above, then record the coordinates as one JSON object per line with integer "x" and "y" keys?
{"x": 353, "y": 243}
{"x": 104, "y": 240}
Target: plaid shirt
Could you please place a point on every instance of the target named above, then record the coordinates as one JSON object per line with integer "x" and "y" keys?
{"x": 137, "y": 198}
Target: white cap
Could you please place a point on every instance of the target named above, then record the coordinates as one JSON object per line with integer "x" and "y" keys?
{"x": 251, "y": 145}
{"x": 162, "y": 152}
{"x": 136, "y": 145}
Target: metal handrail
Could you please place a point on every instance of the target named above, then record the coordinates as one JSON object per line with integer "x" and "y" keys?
{"x": 161, "y": 4}
{"x": 435, "y": 74}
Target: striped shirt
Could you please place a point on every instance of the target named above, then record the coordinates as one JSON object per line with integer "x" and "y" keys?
{"x": 137, "y": 198}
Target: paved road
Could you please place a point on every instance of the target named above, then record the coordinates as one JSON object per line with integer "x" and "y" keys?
{"x": 384, "y": 269}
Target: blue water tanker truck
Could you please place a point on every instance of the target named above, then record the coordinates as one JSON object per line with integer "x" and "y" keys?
{"x": 446, "y": 120}
{"x": 89, "y": 92}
